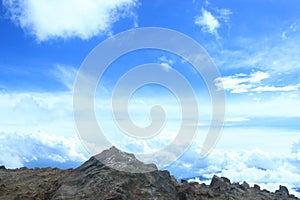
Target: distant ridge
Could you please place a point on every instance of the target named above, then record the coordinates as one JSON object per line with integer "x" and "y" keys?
{"x": 99, "y": 178}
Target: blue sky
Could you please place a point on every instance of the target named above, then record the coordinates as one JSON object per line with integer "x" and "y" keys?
{"x": 254, "y": 44}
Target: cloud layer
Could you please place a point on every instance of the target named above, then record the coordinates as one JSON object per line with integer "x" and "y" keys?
{"x": 65, "y": 19}
{"x": 268, "y": 169}
{"x": 265, "y": 168}
{"x": 40, "y": 149}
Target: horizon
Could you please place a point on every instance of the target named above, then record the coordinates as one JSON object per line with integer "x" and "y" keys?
{"x": 253, "y": 45}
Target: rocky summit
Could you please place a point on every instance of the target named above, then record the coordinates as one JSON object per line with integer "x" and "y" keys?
{"x": 105, "y": 176}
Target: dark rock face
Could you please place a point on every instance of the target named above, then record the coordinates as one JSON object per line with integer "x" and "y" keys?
{"x": 96, "y": 180}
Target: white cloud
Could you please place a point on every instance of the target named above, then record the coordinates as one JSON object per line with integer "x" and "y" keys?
{"x": 208, "y": 22}
{"x": 166, "y": 60}
{"x": 29, "y": 112}
{"x": 267, "y": 169}
{"x": 166, "y": 63}
{"x": 68, "y": 18}
{"x": 241, "y": 83}
{"x": 166, "y": 66}
{"x": 19, "y": 150}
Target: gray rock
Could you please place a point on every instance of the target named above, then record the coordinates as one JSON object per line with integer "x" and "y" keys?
{"x": 256, "y": 187}
{"x": 283, "y": 191}
{"x": 245, "y": 186}
{"x": 218, "y": 183}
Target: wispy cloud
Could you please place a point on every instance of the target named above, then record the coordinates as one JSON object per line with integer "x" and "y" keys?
{"x": 287, "y": 88}
{"x": 224, "y": 14}
{"x": 292, "y": 29}
{"x": 240, "y": 83}
{"x": 65, "y": 19}
{"x": 66, "y": 75}
{"x": 243, "y": 83}
{"x": 273, "y": 54}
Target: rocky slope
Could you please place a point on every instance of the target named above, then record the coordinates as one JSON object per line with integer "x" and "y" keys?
{"x": 95, "y": 180}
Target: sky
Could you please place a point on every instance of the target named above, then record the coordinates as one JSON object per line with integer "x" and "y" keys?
{"x": 254, "y": 45}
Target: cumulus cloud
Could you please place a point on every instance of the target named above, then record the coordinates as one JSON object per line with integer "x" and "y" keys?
{"x": 40, "y": 149}
{"x": 68, "y": 18}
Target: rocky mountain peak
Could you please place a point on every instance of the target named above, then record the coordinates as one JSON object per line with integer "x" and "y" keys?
{"x": 122, "y": 161}
{"x": 98, "y": 178}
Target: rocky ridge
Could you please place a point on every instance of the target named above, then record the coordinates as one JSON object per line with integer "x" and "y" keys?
{"x": 95, "y": 180}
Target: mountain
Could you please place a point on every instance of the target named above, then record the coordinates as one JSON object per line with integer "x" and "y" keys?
{"x": 107, "y": 176}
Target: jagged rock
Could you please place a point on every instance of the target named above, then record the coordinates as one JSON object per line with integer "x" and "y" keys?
{"x": 98, "y": 178}
{"x": 283, "y": 191}
{"x": 2, "y": 167}
{"x": 183, "y": 181}
{"x": 218, "y": 183}
{"x": 226, "y": 180}
{"x": 95, "y": 179}
{"x": 256, "y": 187}
{"x": 245, "y": 186}
{"x": 267, "y": 191}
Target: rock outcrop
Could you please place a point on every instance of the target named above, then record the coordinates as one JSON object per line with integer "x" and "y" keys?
{"x": 222, "y": 188}
{"x": 98, "y": 178}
